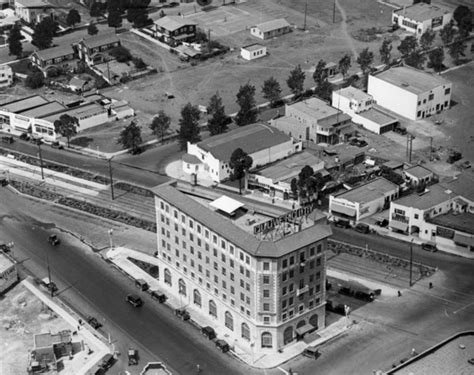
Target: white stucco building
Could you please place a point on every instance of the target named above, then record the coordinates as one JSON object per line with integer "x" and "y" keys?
{"x": 410, "y": 92}
{"x": 363, "y": 110}
{"x": 270, "y": 29}
{"x": 33, "y": 11}
{"x": 420, "y": 17}
{"x": 253, "y": 51}
{"x": 263, "y": 143}
{"x": 417, "y": 175}
{"x": 6, "y": 75}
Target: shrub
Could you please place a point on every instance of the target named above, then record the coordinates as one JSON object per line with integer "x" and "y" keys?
{"x": 35, "y": 80}
{"x": 121, "y": 54}
{"x": 139, "y": 63}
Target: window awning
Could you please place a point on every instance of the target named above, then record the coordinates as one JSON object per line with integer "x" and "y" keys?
{"x": 307, "y": 328}
{"x": 226, "y": 204}
{"x": 463, "y": 240}
{"x": 339, "y": 209}
{"x": 395, "y": 224}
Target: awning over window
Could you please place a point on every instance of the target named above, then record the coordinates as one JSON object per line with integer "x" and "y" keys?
{"x": 339, "y": 209}
{"x": 463, "y": 240}
{"x": 307, "y": 328}
{"x": 395, "y": 224}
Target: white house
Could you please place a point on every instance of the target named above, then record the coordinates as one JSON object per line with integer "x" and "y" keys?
{"x": 6, "y": 75}
{"x": 363, "y": 110}
{"x": 263, "y": 143}
{"x": 420, "y": 17}
{"x": 33, "y": 11}
{"x": 270, "y": 29}
{"x": 410, "y": 92}
{"x": 253, "y": 51}
{"x": 364, "y": 200}
{"x": 417, "y": 175}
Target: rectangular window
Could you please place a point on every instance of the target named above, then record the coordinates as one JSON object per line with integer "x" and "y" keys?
{"x": 266, "y": 266}
{"x": 199, "y": 229}
{"x": 216, "y": 267}
{"x": 292, "y": 260}
{"x": 247, "y": 300}
{"x": 232, "y": 290}
{"x": 199, "y": 242}
{"x": 241, "y": 256}
{"x": 199, "y": 268}
{"x": 208, "y": 273}
{"x": 215, "y": 252}
{"x": 247, "y": 287}
{"x": 231, "y": 263}
{"x": 223, "y": 244}
{"x": 292, "y": 273}
{"x": 284, "y": 276}
{"x": 214, "y": 238}
{"x": 301, "y": 283}
{"x": 199, "y": 255}
{"x": 311, "y": 264}
{"x": 216, "y": 279}
{"x": 311, "y": 251}
{"x": 290, "y": 301}
{"x": 285, "y": 263}
{"x": 224, "y": 284}
{"x": 283, "y": 304}
{"x": 175, "y": 213}
{"x": 183, "y": 231}
{"x": 291, "y": 287}
{"x": 283, "y": 292}
{"x": 223, "y": 270}
{"x": 447, "y": 91}
{"x": 247, "y": 259}
{"x": 206, "y": 233}
{"x": 223, "y": 257}
{"x": 242, "y": 297}
{"x": 318, "y": 262}
{"x": 191, "y": 223}
{"x": 191, "y": 236}
{"x": 247, "y": 273}
{"x": 431, "y": 97}
{"x": 232, "y": 277}
{"x": 266, "y": 279}
{"x": 318, "y": 288}
{"x": 266, "y": 293}
{"x": 266, "y": 307}
{"x": 231, "y": 249}
{"x": 318, "y": 276}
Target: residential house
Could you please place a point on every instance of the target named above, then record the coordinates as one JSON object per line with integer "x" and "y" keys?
{"x": 60, "y": 57}
{"x": 270, "y": 29}
{"x": 6, "y": 75}
{"x": 93, "y": 49}
{"x": 418, "y": 175}
{"x": 418, "y": 18}
{"x": 33, "y": 11}
{"x": 174, "y": 30}
{"x": 253, "y": 51}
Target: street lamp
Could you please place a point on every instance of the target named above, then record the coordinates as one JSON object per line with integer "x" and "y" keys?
{"x": 111, "y": 241}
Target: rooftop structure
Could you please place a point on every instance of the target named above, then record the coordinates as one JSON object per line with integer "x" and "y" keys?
{"x": 54, "y": 52}
{"x": 316, "y": 108}
{"x": 44, "y": 340}
{"x": 418, "y": 171}
{"x": 463, "y": 222}
{"x": 353, "y": 93}
{"x": 371, "y": 190}
{"x": 33, "y": 3}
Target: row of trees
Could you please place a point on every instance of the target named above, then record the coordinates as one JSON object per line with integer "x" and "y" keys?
{"x": 136, "y": 12}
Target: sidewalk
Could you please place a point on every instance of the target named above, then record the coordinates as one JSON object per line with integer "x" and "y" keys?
{"x": 118, "y": 257}
{"x": 99, "y": 348}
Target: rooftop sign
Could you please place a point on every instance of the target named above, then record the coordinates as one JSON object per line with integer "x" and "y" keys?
{"x": 272, "y": 223}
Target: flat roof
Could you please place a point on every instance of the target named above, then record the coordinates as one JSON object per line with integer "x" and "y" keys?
{"x": 87, "y": 109}
{"x": 463, "y": 222}
{"x": 172, "y": 23}
{"x": 43, "y": 110}
{"x": 461, "y": 185}
{"x": 250, "y": 139}
{"x": 379, "y": 117}
{"x": 436, "y": 195}
{"x": 423, "y": 12}
{"x": 418, "y": 171}
{"x": 24, "y": 104}
{"x": 226, "y": 204}
{"x": 368, "y": 192}
{"x": 354, "y": 93}
{"x": 272, "y": 25}
{"x": 253, "y": 47}
{"x": 315, "y": 107}
{"x": 290, "y": 167}
{"x": 5, "y": 263}
{"x": 411, "y": 79}
{"x": 235, "y": 233}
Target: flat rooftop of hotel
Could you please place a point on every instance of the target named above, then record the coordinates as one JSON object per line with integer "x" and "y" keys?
{"x": 411, "y": 79}
{"x": 250, "y": 138}
{"x": 232, "y": 220}
{"x": 368, "y": 192}
{"x": 422, "y": 12}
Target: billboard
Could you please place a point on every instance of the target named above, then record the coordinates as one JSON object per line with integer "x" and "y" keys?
{"x": 290, "y": 216}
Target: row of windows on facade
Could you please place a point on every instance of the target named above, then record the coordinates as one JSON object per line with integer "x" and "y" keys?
{"x": 447, "y": 91}
{"x": 438, "y": 107}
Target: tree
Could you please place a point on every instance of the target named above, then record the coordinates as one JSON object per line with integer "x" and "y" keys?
{"x": 239, "y": 163}
{"x": 365, "y": 60}
{"x": 447, "y": 33}
{"x": 160, "y": 124}
{"x": 114, "y": 18}
{"x": 324, "y": 90}
{"x": 320, "y": 73}
{"x": 294, "y": 187}
{"x": 137, "y": 12}
{"x": 460, "y": 13}
{"x": 35, "y": 80}
{"x": 95, "y": 9}
{"x": 436, "y": 58}
{"x": 386, "y": 51}
{"x": 92, "y": 29}
{"x": 189, "y": 126}
{"x": 271, "y": 90}
{"x": 121, "y": 54}
{"x": 456, "y": 49}
{"x": 66, "y": 126}
{"x": 44, "y": 32}
{"x": 296, "y": 80}
{"x": 427, "y": 39}
{"x": 14, "y": 41}
{"x": 408, "y": 45}
{"x": 217, "y": 124}
{"x": 415, "y": 59}
{"x": 344, "y": 64}
{"x": 131, "y": 137}
{"x": 73, "y": 18}
{"x": 246, "y": 100}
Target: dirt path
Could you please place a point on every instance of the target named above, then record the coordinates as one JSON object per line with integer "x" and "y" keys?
{"x": 348, "y": 37}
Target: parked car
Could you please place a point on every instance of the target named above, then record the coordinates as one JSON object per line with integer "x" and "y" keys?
{"x": 364, "y": 296}
{"x": 429, "y": 247}
{"x": 49, "y": 285}
{"x": 346, "y": 291}
{"x": 141, "y": 284}
{"x": 8, "y": 139}
{"x": 341, "y": 223}
{"x": 36, "y": 141}
{"x": 57, "y": 145}
{"x": 93, "y": 322}
{"x": 182, "y": 314}
{"x": 107, "y": 362}
{"x": 311, "y": 352}
{"x": 134, "y": 300}
{"x": 382, "y": 223}
{"x": 208, "y": 332}
{"x": 223, "y": 346}
{"x": 54, "y": 240}
{"x": 159, "y": 296}
{"x": 24, "y": 137}
{"x": 132, "y": 356}
{"x": 362, "y": 228}
{"x": 400, "y": 130}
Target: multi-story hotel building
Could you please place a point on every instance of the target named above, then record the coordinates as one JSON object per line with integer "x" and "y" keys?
{"x": 262, "y": 281}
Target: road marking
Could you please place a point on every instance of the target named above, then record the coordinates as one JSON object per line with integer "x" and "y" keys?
{"x": 464, "y": 307}
{"x": 283, "y": 370}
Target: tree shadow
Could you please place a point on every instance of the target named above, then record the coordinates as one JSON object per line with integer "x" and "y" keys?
{"x": 82, "y": 141}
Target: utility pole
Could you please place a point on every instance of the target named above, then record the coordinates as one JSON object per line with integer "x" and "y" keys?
{"x": 411, "y": 263}
{"x": 305, "y": 11}
{"x": 41, "y": 158}
{"x": 334, "y": 12}
{"x": 431, "y": 148}
{"x": 111, "y": 179}
{"x": 50, "y": 285}
{"x": 409, "y": 146}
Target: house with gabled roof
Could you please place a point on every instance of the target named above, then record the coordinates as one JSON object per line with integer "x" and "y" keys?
{"x": 270, "y": 29}
{"x": 55, "y": 57}
{"x": 92, "y": 50}
{"x": 33, "y": 11}
{"x": 174, "y": 30}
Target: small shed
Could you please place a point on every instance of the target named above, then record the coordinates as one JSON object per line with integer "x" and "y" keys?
{"x": 253, "y": 51}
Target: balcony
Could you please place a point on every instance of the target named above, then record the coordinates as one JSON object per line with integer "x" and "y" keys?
{"x": 400, "y": 218}
{"x": 302, "y": 290}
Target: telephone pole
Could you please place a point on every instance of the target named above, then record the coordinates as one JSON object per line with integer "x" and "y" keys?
{"x": 305, "y": 11}
{"x": 41, "y": 158}
{"x": 111, "y": 179}
{"x": 334, "y": 12}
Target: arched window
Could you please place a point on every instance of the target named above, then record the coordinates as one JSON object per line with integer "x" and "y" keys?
{"x": 212, "y": 308}
{"x": 267, "y": 340}
{"x": 229, "y": 321}
{"x": 300, "y": 324}
{"x": 287, "y": 335}
{"x": 168, "y": 277}
{"x": 245, "y": 331}
{"x": 314, "y": 320}
{"x": 197, "y": 298}
{"x": 182, "y": 287}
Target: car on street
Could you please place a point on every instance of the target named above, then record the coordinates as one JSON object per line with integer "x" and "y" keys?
{"x": 57, "y": 145}
{"x": 8, "y": 139}
{"x": 93, "y": 322}
{"x": 208, "y": 332}
{"x": 429, "y": 247}
{"x": 311, "y": 352}
{"x": 134, "y": 300}
{"x": 36, "y": 141}
{"x": 182, "y": 314}
{"x": 53, "y": 240}
{"x": 107, "y": 362}
{"x": 24, "y": 137}
{"x": 341, "y": 223}
{"x": 382, "y": 223}
{"x": 49, "y": 285}
{"x": 400, "y": 130}
{"x": 362, "y": 228}
{"x": 223, "y": 346}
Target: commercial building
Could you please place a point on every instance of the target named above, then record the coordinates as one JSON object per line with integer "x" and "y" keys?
{"x": 263, "y": 143}
{"x": 253, "y": 51}
{"x": 363, "y": 110}
{"x": 8, "y": 273}
{"x": 418, "y": 175}
{"x": 270, "y": 29}
{"x": 33, "y": 11}
{"x": 57, "y": 57}
{"x": 174, "y": 30}
{"x": 364, "y": 200}
{"x": 421, "y": 17}
{"x": 312, "y": 120}
{"x": 92, "y": 49}
{"x": 261, "y": 280}
{"x": 410, "y": 92}
{"x": 6, "y": 75}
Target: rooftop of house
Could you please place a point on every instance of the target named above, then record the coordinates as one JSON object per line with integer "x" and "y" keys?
{"x": 43, "y": 110}
{"x": 253, "y": 47}
{"x": 272, "y": 25}
{"x": 77, "y": 82}
{"x": 378, "y": 116}
{"x": 5, "y": 263}
{"x": 100, "y": 40}
{"x": 433, "y": 196}
{"x": 239, "y": 228}
{"x": 422, "y": 12}
{"x": 54, "y": 53}
{"x": 319, "y": 110}
{"x": 461, "y": 185}
{"x": 172, "y": 23}
{"x": 24, "y": 104}
{"x": 250, "y": 139}
{"x": 370, "y": 191}
{"x": 290, "y": 167}
{"x": 418, "y": 171}
{"x": 33, "y": 4}
{"x": 353, "y": 93}
{"x": 411, "y": 79}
